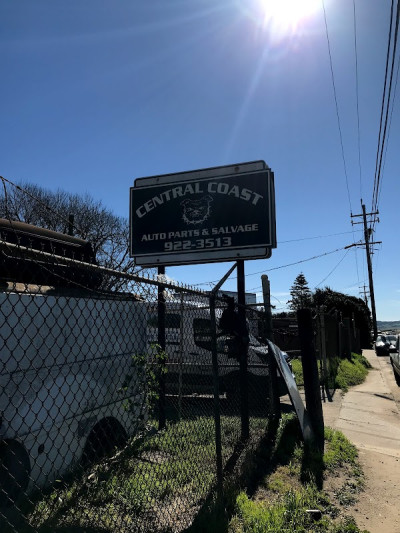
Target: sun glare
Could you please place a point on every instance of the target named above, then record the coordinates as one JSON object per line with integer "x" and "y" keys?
{"x": 287, "y": 15}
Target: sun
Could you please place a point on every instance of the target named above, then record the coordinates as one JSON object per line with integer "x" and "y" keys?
{"x": 287, "y": 15}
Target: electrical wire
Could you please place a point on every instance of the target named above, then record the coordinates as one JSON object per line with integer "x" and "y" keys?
{"x": 390, "y": 120}
{"x": 357, "y": 96}
{"x": 336, "y": 106}
{"x": 337, "y": 110}
{"x": 277, "y": 267}
{"x": 383, "y": 101}
{"x": 332, "y": 271}
{"x": 322, "y": 281}
{"x": 317, "y": 237}
{"x": 386, "y": 103}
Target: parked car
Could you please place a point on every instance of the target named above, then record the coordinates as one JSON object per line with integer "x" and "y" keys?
{"x": 385, "y": 344}
{"x": 395, "y": 360}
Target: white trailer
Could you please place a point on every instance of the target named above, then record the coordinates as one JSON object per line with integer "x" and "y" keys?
{"x": 68, "y": 383}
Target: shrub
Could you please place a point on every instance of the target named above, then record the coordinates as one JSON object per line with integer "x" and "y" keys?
{"x": 352, "y": 372}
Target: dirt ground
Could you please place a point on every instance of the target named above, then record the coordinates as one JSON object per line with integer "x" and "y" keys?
{"x": 369, "y": 416}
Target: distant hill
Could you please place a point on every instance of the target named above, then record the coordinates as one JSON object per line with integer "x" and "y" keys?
{"x": 388, "y": 326}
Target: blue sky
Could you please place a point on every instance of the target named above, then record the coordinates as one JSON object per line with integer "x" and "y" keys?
{"x": 96, "y": 93}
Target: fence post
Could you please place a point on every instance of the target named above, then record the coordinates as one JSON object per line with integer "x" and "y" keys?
{"x": 275, "y": 404}
{"x": 347, "y": 326}
{"x": 217, "y": 413}
{"x": 162, "y": 345}
{"x": 321, "y": 316}
{"x": 340, "y": 335}
{"x": 181, "y": 344}
{"x": 244, "y": 391}
{"x": 310, "y": 373}
{"x": 214, "y": 351}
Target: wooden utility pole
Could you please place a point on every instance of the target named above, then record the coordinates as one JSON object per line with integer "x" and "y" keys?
{"x": 369, "y": 265}
{"x": 371, "y": 281}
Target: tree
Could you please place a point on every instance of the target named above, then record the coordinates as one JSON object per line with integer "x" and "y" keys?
{"x": 92, "y": 221}
{"x": 348, "y": 306}
{"x": 300, "y": 293}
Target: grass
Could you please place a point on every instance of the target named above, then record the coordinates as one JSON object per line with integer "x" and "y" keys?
{"x": 154, "y": 482}
{"x": 352, "y": 372}
{"x": 349, "y": 372}
{"x": 288, "y": 504}
{"x": 176, "y": 463}
{"x": 298, "y": 372}
{"x": 163, "y": 479}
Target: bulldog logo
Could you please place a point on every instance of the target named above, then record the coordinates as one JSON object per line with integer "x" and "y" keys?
{"x": 196, "y": 211}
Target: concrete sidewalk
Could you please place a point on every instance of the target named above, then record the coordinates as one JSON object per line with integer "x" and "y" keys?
{"x": 368, "y": 414}
{"x": 370, "y": 418}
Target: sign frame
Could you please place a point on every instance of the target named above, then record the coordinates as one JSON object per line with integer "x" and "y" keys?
{"x": 140, "y": 209}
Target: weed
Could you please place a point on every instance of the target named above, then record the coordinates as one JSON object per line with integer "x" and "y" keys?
{"x": 351, "y": 372}
{"x": 284, "y": 508}
{"x": 343, "y": 373}
{"x": 338, "y": 450}
{"x": 297, "y": 369}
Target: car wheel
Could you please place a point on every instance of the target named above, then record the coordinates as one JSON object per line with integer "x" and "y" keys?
{"x": 104, "y": 437}
{"x": 14, "y": 471}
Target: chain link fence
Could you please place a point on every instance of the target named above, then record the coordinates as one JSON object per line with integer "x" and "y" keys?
{"x": 120, "y": 410}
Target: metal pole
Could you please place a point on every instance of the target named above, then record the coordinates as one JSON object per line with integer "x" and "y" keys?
{"x": 244, "y": 392}
{"x": 182, "y": 322}
{"x": 267, "y": 306}
{"x": 321, "y": 316}
{"x": 161, "y": 349}
{"x": 71, "y": 224}
{"x": 217, "y": 413}
{"x": 371, "y": 281}
{"x": 275, "y": 404}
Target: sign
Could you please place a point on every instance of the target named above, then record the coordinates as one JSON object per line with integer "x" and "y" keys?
{"x": 216, "y": 214}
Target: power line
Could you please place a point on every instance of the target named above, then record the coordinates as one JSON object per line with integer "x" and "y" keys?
{"x": 336, "y": 105}
{"x": 390, "y": 122}
{"x": 317, "y": 237}
{"x": 337, "y": 110}
{"x": 357, "y": 96}
{"x": 386, "y": 103}
{"x": 298, "y": 262}
{"x": 278, "y": 267}
{"x": 332, "y": 271}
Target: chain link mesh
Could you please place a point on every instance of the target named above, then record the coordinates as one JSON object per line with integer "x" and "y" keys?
{"x": 103, "y": 428}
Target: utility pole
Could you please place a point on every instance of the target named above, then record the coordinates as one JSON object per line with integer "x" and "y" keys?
{"x": 369, "y": 265}
{"x": 371, "y": 281}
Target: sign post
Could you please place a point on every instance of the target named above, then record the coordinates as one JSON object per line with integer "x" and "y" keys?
{"x": 244, "y": 388}
{"x": 211, "y": 215}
